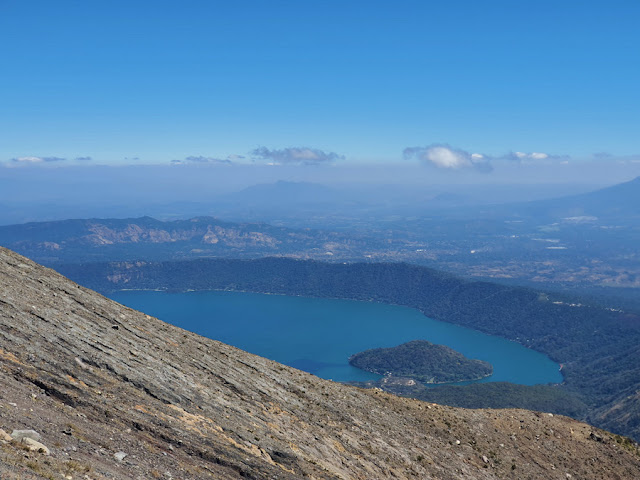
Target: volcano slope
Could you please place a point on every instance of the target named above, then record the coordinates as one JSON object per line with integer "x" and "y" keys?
{"x": 114, "y": 393}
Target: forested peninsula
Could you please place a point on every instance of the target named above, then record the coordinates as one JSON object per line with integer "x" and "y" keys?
{"x": 598, "y": 347}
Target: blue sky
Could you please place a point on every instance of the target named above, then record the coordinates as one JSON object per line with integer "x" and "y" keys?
{"x": 96, "y": 82}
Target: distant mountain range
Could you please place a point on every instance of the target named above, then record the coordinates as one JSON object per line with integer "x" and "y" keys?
{"x": 284, "y": 193}
{"x": 148, "y": 238}
{"x": 618, "y": 201}
{"x": 288, "y": 200}
{"x": 300, "y": 204}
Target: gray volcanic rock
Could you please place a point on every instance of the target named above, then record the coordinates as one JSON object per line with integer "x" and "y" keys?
{"x": 96, "y": 379}
{"x": 145, "y": 238}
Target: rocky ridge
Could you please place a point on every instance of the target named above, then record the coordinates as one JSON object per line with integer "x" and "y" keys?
{"x": 114, "y": 393}
{"x": 146, "y": 238}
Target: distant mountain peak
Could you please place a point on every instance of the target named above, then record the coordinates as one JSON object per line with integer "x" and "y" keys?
{"x": 284, "y": 192}
{"x": 616, "y": 201}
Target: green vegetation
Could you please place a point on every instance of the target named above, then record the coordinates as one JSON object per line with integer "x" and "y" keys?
{"x": 542, "y": 398}
{"x": 422, "y": 361}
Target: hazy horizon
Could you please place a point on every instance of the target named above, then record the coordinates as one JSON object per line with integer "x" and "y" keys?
{"x": 42, "y": 194}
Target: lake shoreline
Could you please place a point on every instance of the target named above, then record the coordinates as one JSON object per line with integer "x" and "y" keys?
{"x": 331, "y": 368}
{"x": 351, "y": 299}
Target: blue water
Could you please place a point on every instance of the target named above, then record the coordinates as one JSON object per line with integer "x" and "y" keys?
{"x": 319, "y": 335}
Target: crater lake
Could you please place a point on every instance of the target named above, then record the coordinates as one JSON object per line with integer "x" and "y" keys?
{"x": 318, "y": 335}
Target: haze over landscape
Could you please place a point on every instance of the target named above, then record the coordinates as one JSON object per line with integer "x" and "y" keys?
{"x": 334, "y": 186}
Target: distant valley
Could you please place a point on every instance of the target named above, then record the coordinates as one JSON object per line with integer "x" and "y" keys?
{"x": 587, "y": 243}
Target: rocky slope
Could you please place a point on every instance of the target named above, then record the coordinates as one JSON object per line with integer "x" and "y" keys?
{"x": 114, "y": 393}
{"x": 147, "y": 238}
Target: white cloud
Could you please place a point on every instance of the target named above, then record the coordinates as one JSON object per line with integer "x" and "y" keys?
{"x": 27, "y": 159}
{"x": 296, "y": 155}
{"x": 535, "y": 156}
{"x": 30, "y": 160}
{"x": 446, "y": 157}
{"x": 199, "y": 159}
{"x": 539, "y": 156}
